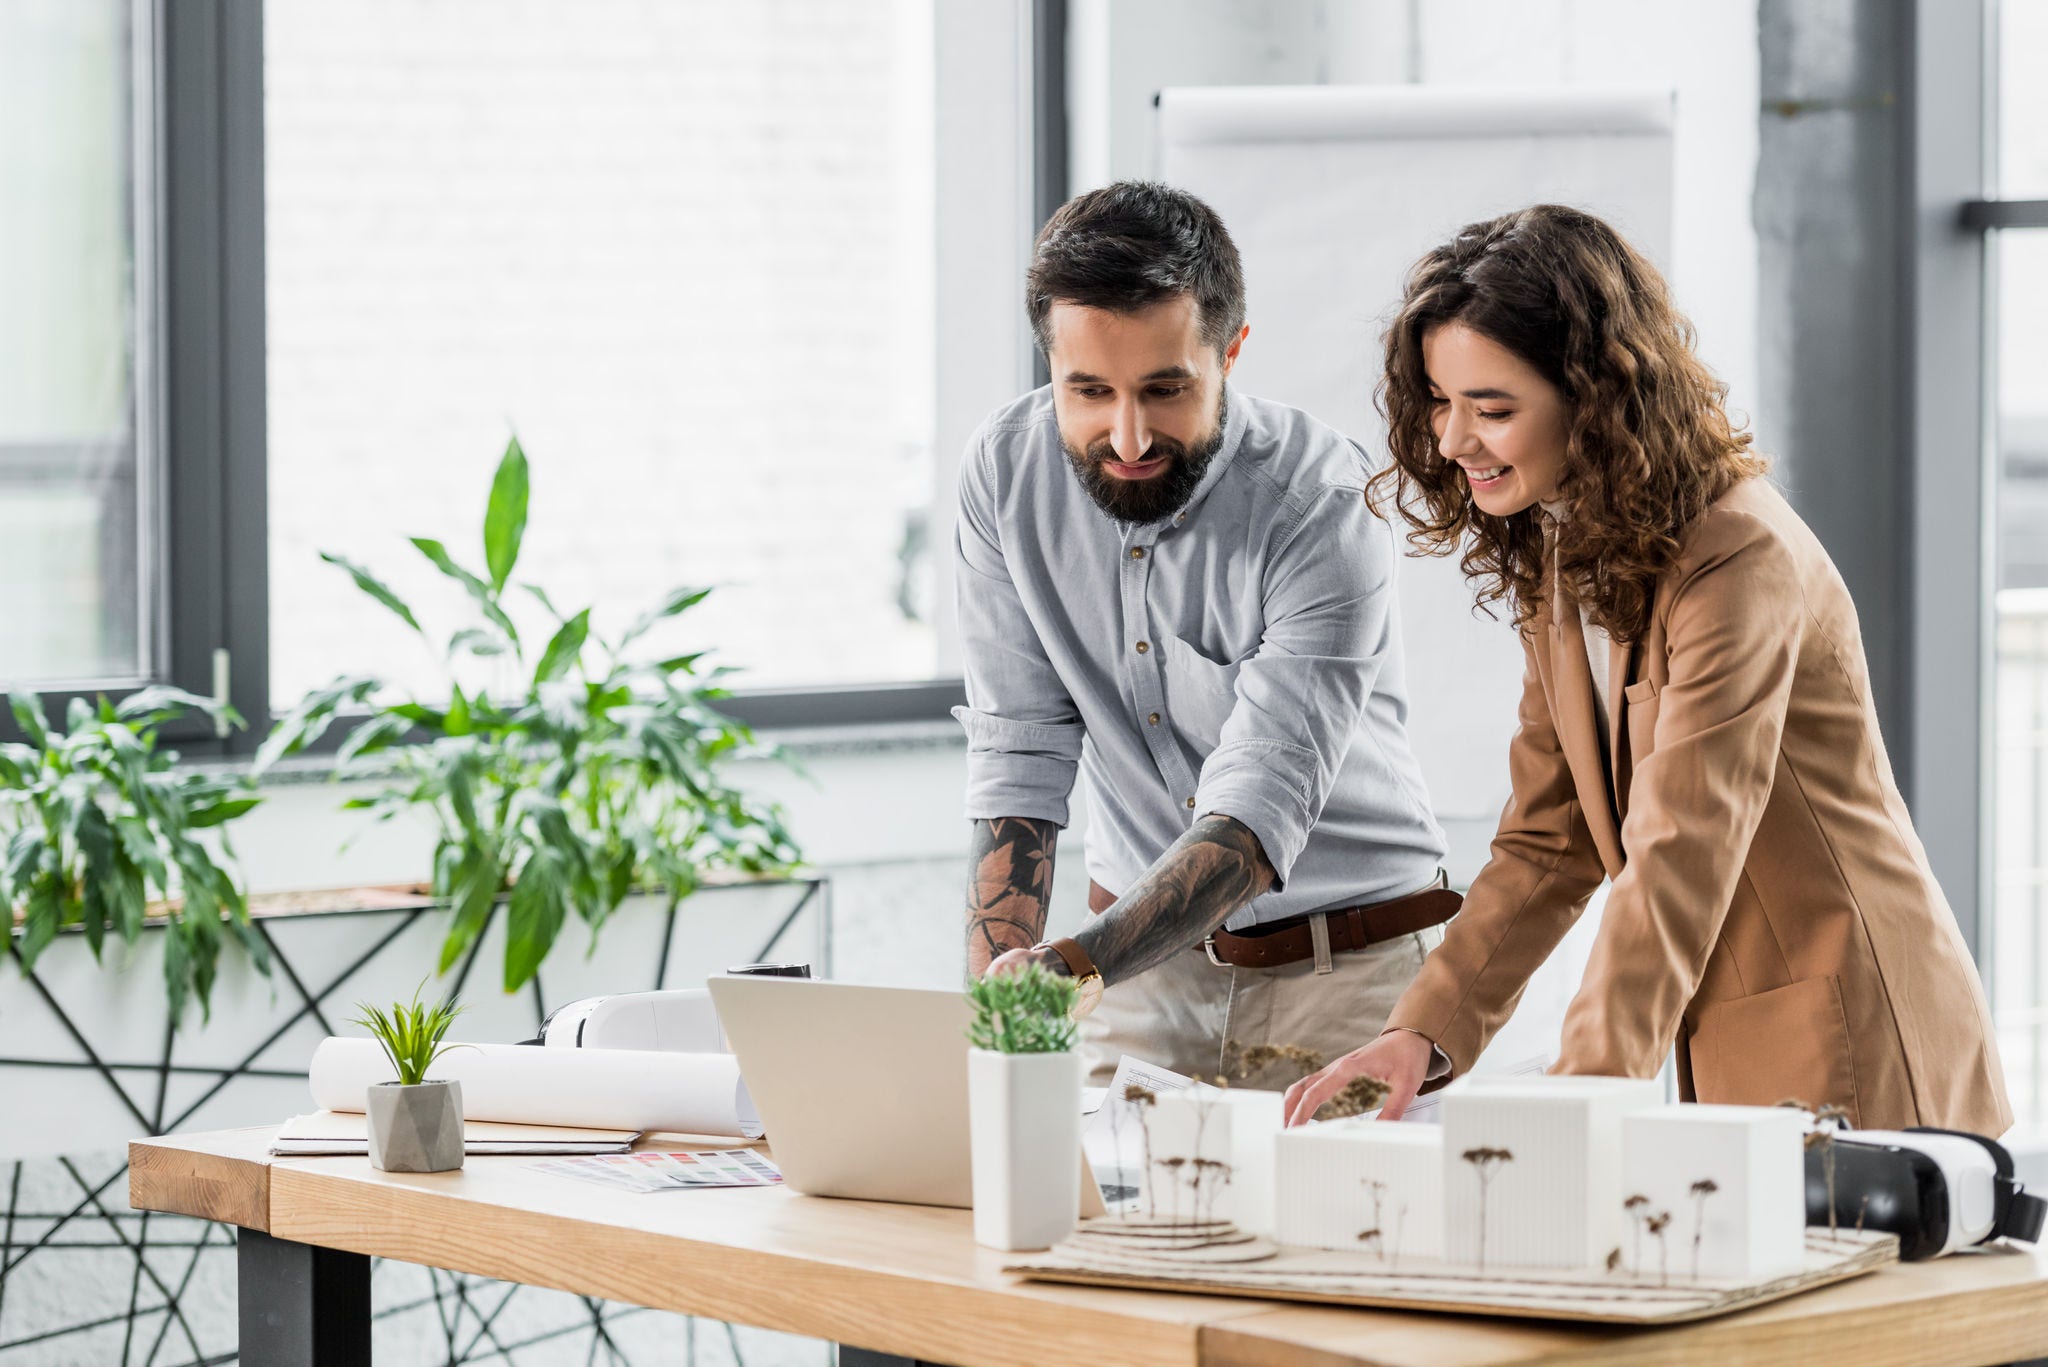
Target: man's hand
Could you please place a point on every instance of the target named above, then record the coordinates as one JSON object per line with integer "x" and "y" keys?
{"x": 1400, "y": 1058}
{"x": 1010, "y": 961}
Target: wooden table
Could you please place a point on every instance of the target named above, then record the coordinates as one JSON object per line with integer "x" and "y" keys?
{"x": 908, "y": 1282}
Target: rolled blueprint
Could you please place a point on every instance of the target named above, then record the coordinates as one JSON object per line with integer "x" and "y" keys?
{"x": 613, "y": 1089}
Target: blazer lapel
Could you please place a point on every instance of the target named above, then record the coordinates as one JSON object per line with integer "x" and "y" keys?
{"x": 1578, "y": 730}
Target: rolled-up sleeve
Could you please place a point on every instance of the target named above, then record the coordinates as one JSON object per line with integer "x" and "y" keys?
{"x": 1301, "y": 696}
{"x": 1023, "y": 730}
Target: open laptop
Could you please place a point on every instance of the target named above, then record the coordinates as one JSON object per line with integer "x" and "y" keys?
{"x": 862, "y": 1090}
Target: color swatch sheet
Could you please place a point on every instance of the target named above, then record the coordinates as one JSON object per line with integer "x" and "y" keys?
{"x": 681, "y": 1170}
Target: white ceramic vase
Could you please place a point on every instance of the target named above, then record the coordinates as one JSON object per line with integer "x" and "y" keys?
{"x": 1025, "y": 1115}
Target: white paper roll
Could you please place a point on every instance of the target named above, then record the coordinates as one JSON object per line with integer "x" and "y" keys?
{"x": 618, "y": 1089}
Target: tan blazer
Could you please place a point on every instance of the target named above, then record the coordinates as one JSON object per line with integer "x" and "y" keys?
{"x": 1773, "y": 915}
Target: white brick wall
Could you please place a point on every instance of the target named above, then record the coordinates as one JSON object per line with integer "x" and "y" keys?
{"x": 683, "y": 248}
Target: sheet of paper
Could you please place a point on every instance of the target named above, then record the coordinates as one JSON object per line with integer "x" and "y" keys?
{"x": 682, "y": 1170}
{"x": 341, "y": 1132}
{"x": 1112, "y": 1138}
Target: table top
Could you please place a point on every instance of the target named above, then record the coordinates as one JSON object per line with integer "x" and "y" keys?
{"x": 910, "y": 1280}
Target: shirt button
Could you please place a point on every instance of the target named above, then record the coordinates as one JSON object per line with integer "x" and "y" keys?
{"x": 1137, "y": 552}
{"x": 1191, "y": 804}
{"x": 1143, "y": 647}
{"x": 1152, "y": 718}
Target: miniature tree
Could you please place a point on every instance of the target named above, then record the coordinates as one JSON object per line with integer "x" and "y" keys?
{"x": 1656, "y": 1225}
{"x": 1173, "y": 1166}
{"x": 1827, "y": 1122}
{"x": 1485, "y": 1161}
{"x": 1637, "y": 1207}
{"x": 1143, "y": 1099}
{"x": 1701, "y": 1190}
{"x": 1372, "y": 1236}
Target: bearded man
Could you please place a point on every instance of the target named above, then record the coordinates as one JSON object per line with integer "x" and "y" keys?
{"x": 1181, "y": 591}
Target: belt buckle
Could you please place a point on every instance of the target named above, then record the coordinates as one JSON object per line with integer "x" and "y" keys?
{"x": 1209, "y": 948}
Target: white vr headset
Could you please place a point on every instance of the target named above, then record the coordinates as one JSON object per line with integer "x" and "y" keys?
{"x": 1938, "y": 1190}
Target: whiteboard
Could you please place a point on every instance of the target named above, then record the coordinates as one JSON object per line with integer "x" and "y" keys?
{"x": 1331, "y": 194}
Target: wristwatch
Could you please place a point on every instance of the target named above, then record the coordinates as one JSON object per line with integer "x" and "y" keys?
{"x": 1081, "y": 969}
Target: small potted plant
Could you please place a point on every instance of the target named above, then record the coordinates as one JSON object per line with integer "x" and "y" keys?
{"x": 1024, "y": 1106}
{"x": 415, "y": 1122}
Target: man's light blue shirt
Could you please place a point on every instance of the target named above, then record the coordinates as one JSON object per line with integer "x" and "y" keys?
{"x": 1242, "y": 657}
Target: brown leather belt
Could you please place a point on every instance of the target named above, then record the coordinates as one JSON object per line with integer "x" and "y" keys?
{"x": 1292, "y": 940}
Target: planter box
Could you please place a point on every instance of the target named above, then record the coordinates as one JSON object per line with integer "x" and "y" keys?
{"x": 1324, "y": 1196}
{"x": 1216, "y": 1125}
{"x": 1753, "y": 1225}
{"x": 1557, "y": 1203}
{"x": 92, "y": 1044}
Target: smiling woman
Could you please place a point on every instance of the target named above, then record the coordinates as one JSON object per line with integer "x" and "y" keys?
{"x": 1773, "y": 917}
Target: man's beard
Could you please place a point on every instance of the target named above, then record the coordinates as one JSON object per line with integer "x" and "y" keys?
{"x": 1138, "y": 502}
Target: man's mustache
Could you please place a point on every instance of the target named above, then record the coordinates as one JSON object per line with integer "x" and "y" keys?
{"x": 1102, "y": 453}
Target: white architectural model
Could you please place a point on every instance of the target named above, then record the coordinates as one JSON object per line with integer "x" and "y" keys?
{"x": 1212, "y": 1155}
{"x": 1532, "y": 1167}
{"x": 1362, "y": 1185}
{"x": 1732, "y": 1180}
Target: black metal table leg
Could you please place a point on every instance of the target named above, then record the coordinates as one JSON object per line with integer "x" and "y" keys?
{"x": 302, "y": 1306}
{"x": 866, "y": 1357}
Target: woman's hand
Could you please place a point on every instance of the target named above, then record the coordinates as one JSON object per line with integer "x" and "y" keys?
{"x": 1399, "y": 1058}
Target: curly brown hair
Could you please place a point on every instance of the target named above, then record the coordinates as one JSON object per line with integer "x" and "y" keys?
{"x": 1649, "y": 444}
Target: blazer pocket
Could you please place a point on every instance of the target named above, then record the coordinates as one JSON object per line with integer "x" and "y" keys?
{"x": 1199, "y": 694}
{"x": 1642, "y": 717}
{"x": 1788, "y": 1044}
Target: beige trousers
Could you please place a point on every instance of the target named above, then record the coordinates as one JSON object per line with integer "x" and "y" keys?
{"x": 1187, "y": 1013}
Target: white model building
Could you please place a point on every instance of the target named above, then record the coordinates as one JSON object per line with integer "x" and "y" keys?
{"x": 1212, "y": 1155}
{"x": 1341, "y": 1180}
{"x": 1554, "y": 1200}
{"x": 1751, "y": 1221}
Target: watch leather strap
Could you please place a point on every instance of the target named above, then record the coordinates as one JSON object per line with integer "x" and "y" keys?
{"x": 1079, "y": 966}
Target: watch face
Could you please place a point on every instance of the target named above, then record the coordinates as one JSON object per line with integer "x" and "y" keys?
{"x": 1091, "y": 993}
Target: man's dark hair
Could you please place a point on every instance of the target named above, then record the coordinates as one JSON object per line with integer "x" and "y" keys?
{"x": 1133, "y": 244}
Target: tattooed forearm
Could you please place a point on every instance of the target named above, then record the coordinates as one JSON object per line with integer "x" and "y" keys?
{"x": 1202, "y": 878}
{"x": 1009, "y": 886}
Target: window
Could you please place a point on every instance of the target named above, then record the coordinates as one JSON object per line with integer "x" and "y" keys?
{"x": 691, "y": 254}
{"x": 2018, "y": 259}
{"x": 74, "y": 347}
{"x": 684, "y": 250}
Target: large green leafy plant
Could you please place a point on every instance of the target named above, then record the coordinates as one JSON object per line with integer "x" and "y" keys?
{"x": 100, "y": 829}
{"x": 583, "y": 772}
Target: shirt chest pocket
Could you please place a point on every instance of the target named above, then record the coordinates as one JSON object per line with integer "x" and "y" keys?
{"x": 1199, "y": 694}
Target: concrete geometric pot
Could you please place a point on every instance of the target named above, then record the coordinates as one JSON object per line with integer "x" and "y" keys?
{"x": 417, "y": 1128}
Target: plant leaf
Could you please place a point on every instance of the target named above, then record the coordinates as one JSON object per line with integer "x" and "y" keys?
{"x": 563, "y": 650}
{"x": 505, "y": 518}
{"x": 486, "y": 597}
{"x": 226, "y": 810}
{"x": 678, "y": 600}
{"x": 376, "y": 588}
{"x": 535, "y": 917}
{"x": 28, "y": 715}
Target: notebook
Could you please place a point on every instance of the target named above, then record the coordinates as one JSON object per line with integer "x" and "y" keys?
{"x": 343, "y": 1132}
